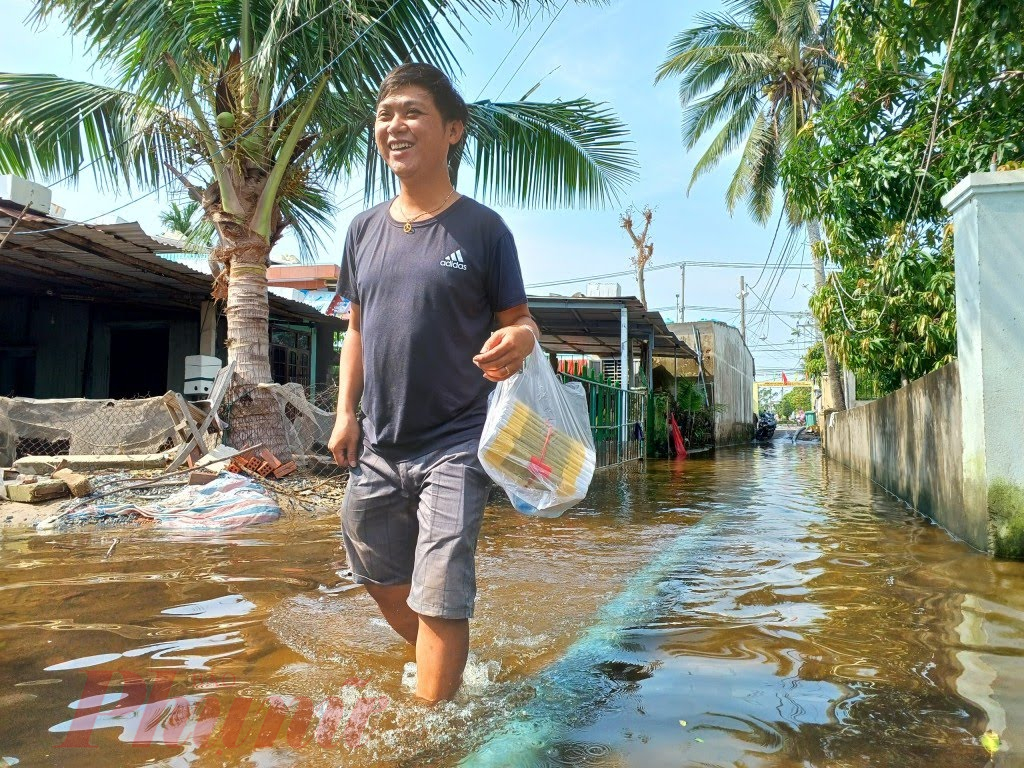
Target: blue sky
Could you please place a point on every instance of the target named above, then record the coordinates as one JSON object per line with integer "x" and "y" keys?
{"x": 610, "y": 54}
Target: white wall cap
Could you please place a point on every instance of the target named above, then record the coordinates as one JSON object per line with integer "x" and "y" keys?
{"x": 975, "y": 184}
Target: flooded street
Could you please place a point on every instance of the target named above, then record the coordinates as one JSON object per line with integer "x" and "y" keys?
{"x": 759, "y": 608}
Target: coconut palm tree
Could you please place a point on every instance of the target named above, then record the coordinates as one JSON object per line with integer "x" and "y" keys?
{"x": 257, "y": 107}
{"x": 754, "y": 74}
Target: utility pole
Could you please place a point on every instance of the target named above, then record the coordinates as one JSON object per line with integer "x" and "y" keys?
{"x": 682, "y": 293}
{"x": 742, "y": 296}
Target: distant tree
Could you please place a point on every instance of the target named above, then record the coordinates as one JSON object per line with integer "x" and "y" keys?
{"x": 797, "y": 399}
{"x": 644, "y": 247}
{"x": 767, "y": 399}
{"x": 187, "y": 222}
{"x": 814, "y": 362}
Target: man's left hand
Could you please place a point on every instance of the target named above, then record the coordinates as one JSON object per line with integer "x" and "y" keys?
{"x": 503, "y": 353}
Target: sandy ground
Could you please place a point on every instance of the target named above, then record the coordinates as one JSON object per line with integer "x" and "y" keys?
{"x": 14, "y": 514}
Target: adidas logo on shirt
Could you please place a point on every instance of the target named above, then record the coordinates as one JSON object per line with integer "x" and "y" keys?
{"x": 454, "y": 260}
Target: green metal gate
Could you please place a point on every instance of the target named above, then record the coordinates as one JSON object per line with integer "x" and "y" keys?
{"x": 618, "y": 420}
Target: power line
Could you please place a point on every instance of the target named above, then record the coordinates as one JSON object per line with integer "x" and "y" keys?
{"x": 530, "y": 52}
{"x": 670, "y": 265}
{"x": 509, "y": 53}
{"x": 701, "y": 308}
{"x": 771, "y": 311}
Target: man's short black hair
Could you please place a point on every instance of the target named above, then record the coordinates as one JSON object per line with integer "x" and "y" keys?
{"x": 435, "y": 82}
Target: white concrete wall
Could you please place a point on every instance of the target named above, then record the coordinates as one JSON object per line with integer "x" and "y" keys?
{"x": 988, "y": 227}
{"x": 909, "y": 443}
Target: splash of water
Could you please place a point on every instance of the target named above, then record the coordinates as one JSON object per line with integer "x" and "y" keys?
{"x": 476, "y": 679}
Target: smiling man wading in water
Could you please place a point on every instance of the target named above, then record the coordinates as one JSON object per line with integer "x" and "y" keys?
{"x": 429, "y": 275}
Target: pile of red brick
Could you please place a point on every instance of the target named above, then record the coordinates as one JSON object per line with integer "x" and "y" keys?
{"x": 263, "y": 463}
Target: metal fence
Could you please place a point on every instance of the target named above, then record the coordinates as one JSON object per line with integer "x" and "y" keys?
{"x": 618, "y": 420}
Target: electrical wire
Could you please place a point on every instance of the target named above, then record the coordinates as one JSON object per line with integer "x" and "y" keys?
{"x": 231, "y": 143}
{"x": 530, "y": 52}
{"x": 669, "y": 265}
{"x": 183, "y": 101}
{"x": 509, "y": 52}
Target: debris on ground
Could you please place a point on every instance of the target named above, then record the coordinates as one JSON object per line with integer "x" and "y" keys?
{"x": 31, "y": 489}
{"x": 44, "y": 465}
{"x": 79, "y": 484}
{"x": 229, "y": 501}
{"x": 122, "y": 496}
{"x": 263, "y": 463}
{"x": 201, "y": 476}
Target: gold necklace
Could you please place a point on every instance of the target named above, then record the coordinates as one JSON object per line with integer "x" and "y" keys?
{"x": 407, "y": 227}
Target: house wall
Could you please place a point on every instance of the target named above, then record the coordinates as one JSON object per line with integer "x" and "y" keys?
{"x": 733, "y": 387}
{"x": 59, "y": 331}
{"x": 729, "y": 373}
{"x": 70, "y": 341}
{"x": 67, "y": 344}
{"x": 183, "y": 339}
{"x": 326, "y": 357}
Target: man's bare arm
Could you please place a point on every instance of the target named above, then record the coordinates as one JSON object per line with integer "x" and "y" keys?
{"x": 344, "y": 442}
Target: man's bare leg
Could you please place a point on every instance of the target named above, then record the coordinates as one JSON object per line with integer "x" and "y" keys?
{"x": 442, "y": 646}
{"x": 392, "y": 603}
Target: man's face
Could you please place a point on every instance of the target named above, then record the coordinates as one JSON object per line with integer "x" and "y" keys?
{"x": 411, "y": 135}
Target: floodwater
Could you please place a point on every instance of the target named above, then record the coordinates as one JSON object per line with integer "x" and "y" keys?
{"x": 759, "y": 608}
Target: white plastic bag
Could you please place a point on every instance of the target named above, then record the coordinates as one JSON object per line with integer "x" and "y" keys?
{"x": 536, "y": 442}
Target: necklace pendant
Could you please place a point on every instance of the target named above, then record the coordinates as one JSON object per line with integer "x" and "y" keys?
{"x": 407, "y": 228}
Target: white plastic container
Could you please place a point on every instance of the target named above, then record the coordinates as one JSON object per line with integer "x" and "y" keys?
{"x": 200, "y": 371}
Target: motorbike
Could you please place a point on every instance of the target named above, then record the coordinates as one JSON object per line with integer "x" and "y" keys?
{"x": 765, "y": 429}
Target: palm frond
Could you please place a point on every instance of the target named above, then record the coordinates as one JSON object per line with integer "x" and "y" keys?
{"x": 549, "y": 155}
{"x": 309, "y": 212}
{"x": 757, "y": 173}
{"x": 802, "y": 19}
{"x": 725, "y": 66}
{"x": 740, "y": 182}
{"x": 729, "y": 138}
{"x": 703, "y": 114}
{"x": 52, "y": 127}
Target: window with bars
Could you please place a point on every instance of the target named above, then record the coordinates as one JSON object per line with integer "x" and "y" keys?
{"x": 290, "y": 355}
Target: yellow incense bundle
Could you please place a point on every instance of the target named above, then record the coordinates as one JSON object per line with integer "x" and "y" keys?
{"x": 535, "y": 454}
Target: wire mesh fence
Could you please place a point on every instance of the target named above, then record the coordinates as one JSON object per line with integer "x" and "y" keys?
{"x": 30, "y": 427}
{"x": 154, "y": 425}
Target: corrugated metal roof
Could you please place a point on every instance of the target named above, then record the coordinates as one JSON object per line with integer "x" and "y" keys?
{"x": 592, "y": 325}
{"x": 109, "y": 261}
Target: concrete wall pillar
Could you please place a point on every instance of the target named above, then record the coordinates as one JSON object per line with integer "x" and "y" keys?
{"x": 208, "y": 328}
{"x": 988, "y": 226}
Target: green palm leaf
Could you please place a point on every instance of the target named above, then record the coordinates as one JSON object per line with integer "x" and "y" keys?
{"x": 563, "y": 154}
{"x": 757, "y": 70}
{"x": 51, "y": 127}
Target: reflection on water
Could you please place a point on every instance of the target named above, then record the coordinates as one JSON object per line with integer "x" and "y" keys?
{"x": 759, "y": 608}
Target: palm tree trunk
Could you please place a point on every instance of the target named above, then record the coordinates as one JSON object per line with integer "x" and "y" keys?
{"x": 835, "y": 382}
{"x": 255, "y": 416}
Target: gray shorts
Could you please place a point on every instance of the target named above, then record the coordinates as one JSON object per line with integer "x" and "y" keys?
{"x": 417, "y": 522}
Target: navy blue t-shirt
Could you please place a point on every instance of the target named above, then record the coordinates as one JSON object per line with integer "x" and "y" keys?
{"x": 427, "y": 301}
